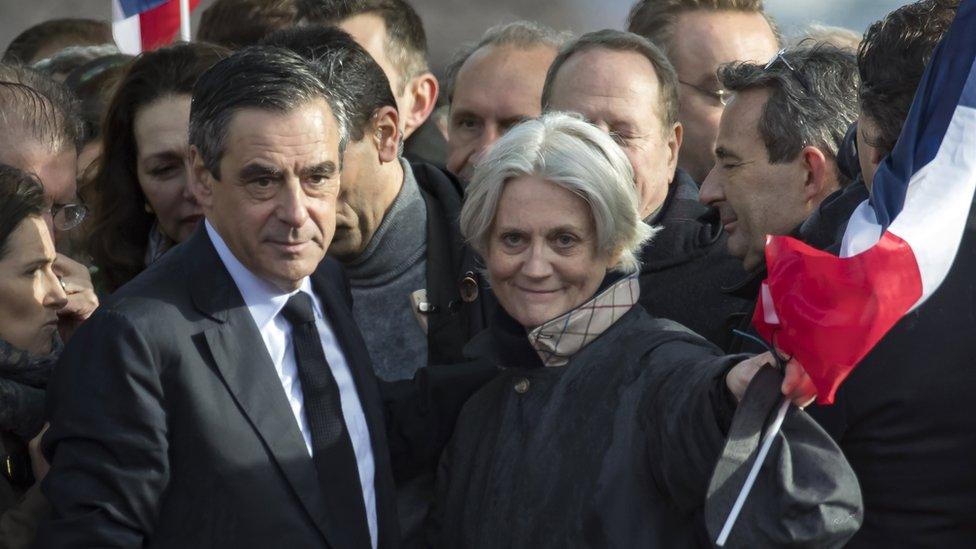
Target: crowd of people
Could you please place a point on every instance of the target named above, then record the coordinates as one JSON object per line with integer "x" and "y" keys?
{"x": 282, "y": 286}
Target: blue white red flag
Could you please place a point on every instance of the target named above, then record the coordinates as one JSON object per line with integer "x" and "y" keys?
{"x": 830, "y": 311}
{"x": 143, "y": 25}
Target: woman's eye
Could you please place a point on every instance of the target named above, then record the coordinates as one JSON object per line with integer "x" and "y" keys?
{"x": 566, "y": 240}
{"x": 512, "y": 239}
{"x": 164, "y": 171}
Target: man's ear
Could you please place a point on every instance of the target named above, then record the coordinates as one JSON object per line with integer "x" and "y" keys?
{"x": 421, "y": 95}
{"x": 674, "y": 146}
{"x": 821, "y": 178}
{"x": 200, "y": 179}
{"x": 385, "y": 133}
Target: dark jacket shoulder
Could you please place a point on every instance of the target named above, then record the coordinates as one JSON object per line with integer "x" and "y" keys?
{"x": 426, "y": 144}
{"x": 686, "y": 265}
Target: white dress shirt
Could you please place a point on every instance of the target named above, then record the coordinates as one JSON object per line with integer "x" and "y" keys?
{"x": 265, "y": 302}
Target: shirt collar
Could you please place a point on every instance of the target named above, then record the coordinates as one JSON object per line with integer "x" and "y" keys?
{"x": 559, "y": 339}
{"x": 263, "y": 299}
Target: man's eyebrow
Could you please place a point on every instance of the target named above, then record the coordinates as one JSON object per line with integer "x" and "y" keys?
{"x": 724, "y": 154}
{"x": 256, "y": 171}
{"x": 463, "y": 113}
{"x": 165, "y": 155}
{"x": 325, "y": 169}
{"x": 513, "y": 120}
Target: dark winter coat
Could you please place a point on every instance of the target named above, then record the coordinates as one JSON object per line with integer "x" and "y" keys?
{"x": 451, "y": 270}
{"x": 612, "y": 449}
{"x": 426, "y": 144}
{"x": 686, "y": 266}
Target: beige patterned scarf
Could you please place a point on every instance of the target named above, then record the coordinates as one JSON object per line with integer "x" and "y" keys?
{"x": 559, "y": 339}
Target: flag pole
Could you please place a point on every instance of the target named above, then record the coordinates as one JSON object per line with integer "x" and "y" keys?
{"x": 767, "y": 443}
{"x": 185, "y": 20}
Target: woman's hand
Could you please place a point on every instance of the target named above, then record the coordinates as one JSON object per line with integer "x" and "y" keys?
{"x": 797, "y": 385}
{"x": 39, "y": 465}
{"x": 82, "y": 300}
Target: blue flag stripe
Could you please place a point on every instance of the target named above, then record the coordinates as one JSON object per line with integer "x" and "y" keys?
{"x": 945, "y": 84}
{"x": 135, "y": 7}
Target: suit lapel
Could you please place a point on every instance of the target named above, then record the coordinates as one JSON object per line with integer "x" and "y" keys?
{"x": 327, "y": 283}
{"x": 243, "y": 362}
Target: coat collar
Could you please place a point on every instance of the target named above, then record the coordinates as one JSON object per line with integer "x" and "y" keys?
{"x": 559, "y": 339}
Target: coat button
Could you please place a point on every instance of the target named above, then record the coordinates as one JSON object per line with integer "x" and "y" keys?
{"x": 522, "y": 386}
{"x": 468, "y": 288}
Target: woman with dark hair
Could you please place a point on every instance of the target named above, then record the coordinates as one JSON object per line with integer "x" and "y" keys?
{"x": 30, "y": 296}
{"x": 141, "y": 203}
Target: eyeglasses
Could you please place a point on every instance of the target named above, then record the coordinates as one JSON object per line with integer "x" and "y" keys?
{"x": 796, "y": 74}
{"x": 68, "y": 216}
{"x": 720, "y": 95}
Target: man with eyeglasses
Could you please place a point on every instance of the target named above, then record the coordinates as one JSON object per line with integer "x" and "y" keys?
{"x": 699, "y": 36}
{"x": 624, "y": 84}
{"x": 777, "y": 154}
{"x": 40, "y": 134}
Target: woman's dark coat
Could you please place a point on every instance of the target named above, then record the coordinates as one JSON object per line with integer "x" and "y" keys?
{"x": 613, "y": 449}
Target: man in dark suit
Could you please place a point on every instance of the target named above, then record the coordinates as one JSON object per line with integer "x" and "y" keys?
{"x": 224, "y": 397}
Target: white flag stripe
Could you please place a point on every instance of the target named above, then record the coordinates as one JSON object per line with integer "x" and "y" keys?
{"x": 126, "y": 31}
{"x": 941, "y": 195}
{"x": 863, "y": 231}
{"x": 937, "y": 204}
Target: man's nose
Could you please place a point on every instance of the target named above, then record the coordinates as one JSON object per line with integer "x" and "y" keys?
{"x": 291, "y": 204}
{"x": 711, "y": 189}
{"x": 491, "y": 134}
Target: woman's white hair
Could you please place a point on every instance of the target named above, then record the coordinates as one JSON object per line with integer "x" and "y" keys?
{"x": 575, "y": 155}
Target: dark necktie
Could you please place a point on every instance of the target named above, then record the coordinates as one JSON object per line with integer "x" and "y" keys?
{"x": 332, "y": 450}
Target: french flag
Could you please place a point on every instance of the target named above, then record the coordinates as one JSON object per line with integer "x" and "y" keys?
{"x": 829, "y": 311}
{"x": 143, "y": 25}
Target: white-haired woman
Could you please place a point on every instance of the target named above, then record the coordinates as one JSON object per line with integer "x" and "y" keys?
{"x": 604, "y": 424}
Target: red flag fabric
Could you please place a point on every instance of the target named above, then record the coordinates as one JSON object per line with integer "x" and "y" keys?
{"x": 837, "y": 315}
{"x": 161, "y": 24}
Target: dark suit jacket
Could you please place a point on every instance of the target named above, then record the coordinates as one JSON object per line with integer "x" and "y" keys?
{"x": 170, "y": 427}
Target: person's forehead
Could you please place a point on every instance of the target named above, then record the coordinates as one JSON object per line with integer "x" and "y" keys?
{"x": 619, "y": 82}
{"x": 369, "y": 31}
{"x": 739, "y": 127}
{"x": 57, "y": 170}
{"x": 309, "y": 130}
{"x": 30, "y": 241}
{"x": 527, "y": 198}
{"x": 162, "y": 125}
{"x": 703, "y": 40}
{"x": 502, "y": 79}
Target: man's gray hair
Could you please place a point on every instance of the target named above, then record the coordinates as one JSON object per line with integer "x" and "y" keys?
{"x": 257, "y": 77}
{"x": 615, "y": 40}
{"x": 33, "y": 105}
{"x": 566, "y": 151}
{"x": 812, "y": 98}
{"x": 517, "y": 34}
